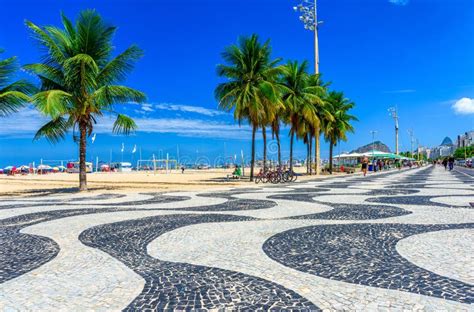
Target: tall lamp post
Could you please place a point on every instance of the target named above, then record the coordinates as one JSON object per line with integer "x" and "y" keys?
{"x": 411, "y": 133}
{"x": 394, "y": 113}
{"x": 309, "y": 17}
{"x": 373, "y": 142}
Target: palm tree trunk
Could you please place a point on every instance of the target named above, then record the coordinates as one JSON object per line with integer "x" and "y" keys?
{"x": 82, "y": 158}
{"x": 310, "y": 142}
{"x": 291, "y": 149}
{"x": 307, "y": 153}
{"x": 318, "y": 151}
{"x": 252, "y": 162}
{"x": 277, "y": 135}
{"x": 331, "y": 144}
{"x": 264, "y": 134}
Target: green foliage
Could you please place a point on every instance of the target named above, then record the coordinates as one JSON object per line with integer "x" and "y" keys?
{"x": 78, "y": 76}
{"x": 13, "y": 95}
{"x": 251, "y": 89}
{"x": 78, "y": 80}
{"x": 336, "y": 128}
{"x": 464, "y": 152}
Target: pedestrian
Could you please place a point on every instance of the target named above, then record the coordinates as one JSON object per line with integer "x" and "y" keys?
{"x": 374, "y": 165}
{"x": 365, "y": 163}
{"x": 182, "y": 169}
{"x": 451, "y": 163}
{"x": 445, "y": 163}
{"x": 380, "y": 164}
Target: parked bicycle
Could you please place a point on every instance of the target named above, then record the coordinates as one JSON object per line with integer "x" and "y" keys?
{"x": 276, "y": 176}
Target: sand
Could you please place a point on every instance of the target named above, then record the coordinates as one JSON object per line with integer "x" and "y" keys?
{"x": 128, "y": 182}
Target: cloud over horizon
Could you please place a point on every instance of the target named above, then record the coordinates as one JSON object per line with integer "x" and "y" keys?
{"x": 399, "y": 2}
{"x": 26, "y": 122}
{"x": 464, "y": 106}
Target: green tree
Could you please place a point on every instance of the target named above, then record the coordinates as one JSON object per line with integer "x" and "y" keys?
{"x": 319, "y": 103}
{"x": 299, "y": 98}
{"x": 79, "y": 80}
{"x": 251, "y": 89}
{"x": 13, "y": 94}
{"x": 337, "y": 127}
{"x": 464, "y": 152}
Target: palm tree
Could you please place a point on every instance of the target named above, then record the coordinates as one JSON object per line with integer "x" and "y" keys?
{"x": 251, "y": 88}
{"x": 275, "y": 126}
{"x": 321, "y": 114}
{"x": 336, "y": 128}
{"x": 79, "y": 80}
{"x": 299, "y": 98}
{"x": 13, "y": 95}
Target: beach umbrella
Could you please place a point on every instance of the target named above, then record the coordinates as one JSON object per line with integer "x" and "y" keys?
{"x": 8, "y": 168}
{"x": 44, "y": 167}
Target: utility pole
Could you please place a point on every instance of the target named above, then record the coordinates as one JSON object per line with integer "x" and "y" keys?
{"x": 373, "y": 132}
{"x": 411, "y": 133}
{"x": 394, "y": 113}
{"x": 309, "y": 16}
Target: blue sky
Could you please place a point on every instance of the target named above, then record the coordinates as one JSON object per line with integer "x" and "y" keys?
{"x": 416, "y": 54}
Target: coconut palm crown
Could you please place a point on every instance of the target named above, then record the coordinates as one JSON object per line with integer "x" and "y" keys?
{"x": 301, "y": 99}
{"x": 251, "y": 89}
{"x": 339, "y": 125}
{"x": 79, "y": 80}
{"x": 13, "y": 94}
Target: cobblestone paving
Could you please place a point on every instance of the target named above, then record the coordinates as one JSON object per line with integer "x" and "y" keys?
{"x": 390, "y": 241}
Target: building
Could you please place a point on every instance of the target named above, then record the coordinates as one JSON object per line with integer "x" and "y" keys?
{"x": 466, "y": 139}
{"x": 445, "y": 149}
{"x": 424, "y": 151}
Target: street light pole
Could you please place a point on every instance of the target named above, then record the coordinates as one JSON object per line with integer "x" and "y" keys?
{"x": 373, "y": 141}
{"x": 309, "y": 17}
{"x": 394, "y": 113}
{"x": 410, "y": 132}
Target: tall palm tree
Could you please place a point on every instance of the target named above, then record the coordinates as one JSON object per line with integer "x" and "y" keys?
{"x": 275, "y": 126}
{"x": 320, "y": 88}
{"x": 336, "y": 128}
{"x": 251, "y": 87}
{"x": 299, "y": 98}
{"x": 79, "y": 80}
{"x": 13, "y": 95}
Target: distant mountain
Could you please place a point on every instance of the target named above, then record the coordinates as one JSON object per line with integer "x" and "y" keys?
{"x": 377, "y": 145}
{"x": 447, "y": 142}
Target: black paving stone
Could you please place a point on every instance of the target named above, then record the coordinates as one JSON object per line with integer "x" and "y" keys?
{"x": 423, "y": 200}
{"x": 365, "y": 254}
{"x": 171, "y": 285}
{"x": 356, "y": 212}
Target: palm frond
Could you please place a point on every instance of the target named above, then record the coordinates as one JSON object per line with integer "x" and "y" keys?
{"x": 12, "y": 101}
{"x": 124, "y": 125}
{"x": 117, "y": 69}
{"x": 54, "y": 130}
{"x": 107, "y": 96}
{"x": 53, "y": 103}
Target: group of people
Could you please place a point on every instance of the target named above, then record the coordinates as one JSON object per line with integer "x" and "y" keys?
{"x": 378, "y": 164}
{"x": 448, "y": 162}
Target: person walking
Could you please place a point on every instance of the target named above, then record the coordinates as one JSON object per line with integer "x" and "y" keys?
{"x": 445, "y": 163}
{"x": 451, "y": 163}
{"x": 365, "y": 163}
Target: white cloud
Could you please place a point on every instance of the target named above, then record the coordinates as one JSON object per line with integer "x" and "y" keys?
{"x": 25, "y": 123}
{"x": 190, "y": 109}
{"x": 182, "y": 127}
{"x": 401, "y": 91}
{"x": 464, "y": 106}
{"x": 399, "y": 2}
{"x": 147, "y": 108}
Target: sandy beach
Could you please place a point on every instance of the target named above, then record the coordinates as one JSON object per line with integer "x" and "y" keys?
{"x": 129, "y": 182}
